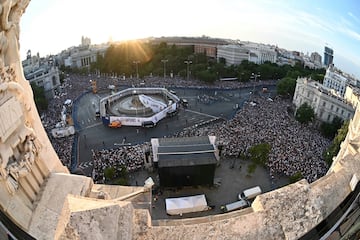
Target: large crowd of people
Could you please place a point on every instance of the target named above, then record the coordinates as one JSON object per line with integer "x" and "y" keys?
{"x": 294, "y": 147}
{"x": 130, "y": 157}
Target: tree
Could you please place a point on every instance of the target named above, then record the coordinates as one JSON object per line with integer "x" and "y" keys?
{"x": 259, "y": 153}
{"x": 206, "y": 76}
{"x": 305, "y": 113}
{"x": 334, "y": 148}
{"x": 39, "y": 97}
{"x": 286, "y": 87}
{"x": 109, "y": 173}
{"x": 119, "y": 58}
{"x": 296, "y": 177}
{"x": 317, "y": 77}
{"x": 329, "y": 130}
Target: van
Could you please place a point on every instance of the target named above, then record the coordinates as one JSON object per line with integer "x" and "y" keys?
{"x": 185, "y": 103}
{"x": 148, "y": 124}
{"x": 235, "y": 206}
{"x": 250, "y": 193}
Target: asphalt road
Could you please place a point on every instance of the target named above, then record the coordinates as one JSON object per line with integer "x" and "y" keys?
{"x": 94, "y": 135}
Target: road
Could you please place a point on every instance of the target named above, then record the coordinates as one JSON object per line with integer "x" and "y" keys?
{"x": 204, "y": 105}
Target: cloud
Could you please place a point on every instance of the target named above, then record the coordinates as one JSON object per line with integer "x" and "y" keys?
{"x": 310, "y": 20}
{"x": 354, "y": 17}
{"x": 351, "y": 33}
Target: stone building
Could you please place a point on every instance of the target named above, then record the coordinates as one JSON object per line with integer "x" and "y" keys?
{"x": 43, "y": 72}
{"x": 324, "y": 101}
{"x": 43, "y": 200}
{"x": 233, "y": 54}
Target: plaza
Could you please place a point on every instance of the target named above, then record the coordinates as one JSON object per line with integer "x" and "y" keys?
{"x": 206, "y": 106}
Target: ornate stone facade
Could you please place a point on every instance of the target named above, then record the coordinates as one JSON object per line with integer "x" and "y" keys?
{"x": 40, "y": 196}
{"x": 23, "y": 168}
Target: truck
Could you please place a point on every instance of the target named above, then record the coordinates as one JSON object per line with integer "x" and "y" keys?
{"x": 250, "y": 193}
{"x": 61, "y": 132}
{"x": 235, "y": 206}
{"x": 181, "y": 205}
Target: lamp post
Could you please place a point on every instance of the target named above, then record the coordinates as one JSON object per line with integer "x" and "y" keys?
{"x": 255, "y": 76}
{"x": 137, "y": 69}
{"x": 188, "y": 62}
{"x": 164, "y": 61}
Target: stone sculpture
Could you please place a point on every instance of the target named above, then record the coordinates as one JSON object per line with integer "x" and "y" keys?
{"x": 38, "y": 194}
{"x": 17, "y": 138}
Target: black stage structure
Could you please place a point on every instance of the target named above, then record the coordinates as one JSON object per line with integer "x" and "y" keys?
{"x": 189, "y": 161}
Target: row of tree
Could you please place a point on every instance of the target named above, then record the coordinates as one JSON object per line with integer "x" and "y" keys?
{"x": 133, "y": 58}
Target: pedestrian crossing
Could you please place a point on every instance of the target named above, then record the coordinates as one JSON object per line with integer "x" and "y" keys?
{"x": 85, "y": 165}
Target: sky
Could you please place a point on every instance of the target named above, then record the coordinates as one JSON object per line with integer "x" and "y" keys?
{"x": 50, "y": 26}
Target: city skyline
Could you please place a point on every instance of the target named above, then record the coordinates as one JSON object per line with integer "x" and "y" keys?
{"x": 51, "y": 26}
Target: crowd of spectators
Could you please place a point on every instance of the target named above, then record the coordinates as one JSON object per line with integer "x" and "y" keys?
{"x": 75, "y": 84}
{"x": 294, "y": 147}
{"x": 131, "y": 157}
{"x": 52, "y": 117}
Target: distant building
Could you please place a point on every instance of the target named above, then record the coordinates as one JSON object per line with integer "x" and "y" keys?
{"x": 85, "y": 41}
{"x": 338, "y": 80}
{"x": 204, "y": 44}
{"x": 81, "y": 57}
{"x": 324, "y": 101}
{"x": 207, "y": 49}
{"x": 42, "y": 72}
{"x": 315, "y": 58}
{"x": 233, "y": 54}
{"x": 328, "y": 56}
{"x": 260, "y": 53}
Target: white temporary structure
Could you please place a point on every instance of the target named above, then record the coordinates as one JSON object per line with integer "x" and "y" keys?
{"x": 181, "y": 205}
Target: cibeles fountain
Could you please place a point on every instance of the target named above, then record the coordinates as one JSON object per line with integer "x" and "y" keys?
{"x": 41, "y": 197}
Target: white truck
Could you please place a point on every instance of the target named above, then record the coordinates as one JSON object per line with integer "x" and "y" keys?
{"x": 250, "y": 193}
{"x": 181, "y": 205}
{"x": 235, "y": 206}
{"x": 63, "y": 132}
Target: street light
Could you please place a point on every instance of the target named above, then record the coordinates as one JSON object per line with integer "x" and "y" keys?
{"x": 188, "y": 62}
{"x": 255, "y": 76}
{"x": 164, "y": 61}
{"x": 137, "y": 69}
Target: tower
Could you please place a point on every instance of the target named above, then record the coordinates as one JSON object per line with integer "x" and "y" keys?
{"x": 328, "y": 56}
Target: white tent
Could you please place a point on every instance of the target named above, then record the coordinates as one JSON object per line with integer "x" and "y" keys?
{"x": 176, "y": 206}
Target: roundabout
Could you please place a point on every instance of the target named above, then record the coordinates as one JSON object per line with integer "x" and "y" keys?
{"x": 138, "y": 106}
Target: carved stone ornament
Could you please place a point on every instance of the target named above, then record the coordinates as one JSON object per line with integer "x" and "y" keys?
{"x": 18, "y": 145}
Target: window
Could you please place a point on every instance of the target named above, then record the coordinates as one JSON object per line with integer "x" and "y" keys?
{"x": 342, "y": 112}
{"x": 329, "y": 116}
{"x": 332, "y": 107}
{"x": 337, "y": 109}
{"x": 324, "y": 104}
